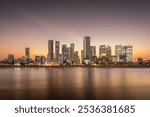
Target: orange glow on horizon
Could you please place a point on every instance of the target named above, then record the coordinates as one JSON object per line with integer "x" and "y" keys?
{"x": 145, "y": 55}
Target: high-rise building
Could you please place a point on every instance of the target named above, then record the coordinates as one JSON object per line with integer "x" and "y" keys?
{"x": 76, "y": 55}
{"x": 57, "y": 49}
{"x": 64, "y": 52}
{"x": 105, "y": 51}
{"x": 76, "y": 58}
{"x": 118, "y": 52}
{"x": 93, "y": 51}
{"x": 50, "y": 50}
{"x": 68, "y": 53}
{"x": 64, "y": 49}
{"x": 72, "y": 51}
{"x": 127, "y": 51}
{"x": 10, "y": 59}
{"x": 82, "y": 56}
{"x": 27, "y": 53}
{"x": 86, "y": 47}
{"x": 108, "y": 52}
{"x": 102, "y": 51}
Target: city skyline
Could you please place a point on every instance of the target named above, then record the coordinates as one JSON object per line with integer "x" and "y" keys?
{"x": 52, "y": 52}
{"x": 57, "y": 53}
{"x": 31, "y": 24}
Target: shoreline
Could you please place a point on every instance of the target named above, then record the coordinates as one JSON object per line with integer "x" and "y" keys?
{"x": 3, "y": 66}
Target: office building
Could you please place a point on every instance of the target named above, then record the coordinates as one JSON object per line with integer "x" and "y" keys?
{"x": 57, "y": 49}
{"x": 50, "y": 56}
{"x": 93, "y": 51}
{"x": 68, "y": 53}
{"x": 105, "y": 51}
{"x": 102, "y": 51}
{"x": 86, "y": 47}
{"x": 72, "y": 51}
{"x": 128, "y": 52}
{"x": 27, "y": 53}
{"x": 108, "y": 52}
{"x": 82, "y": 56}
{"x": 64, "y": 49}
{"x": 76, "y": 58}
{"x": 118, "y": 52}
{"x": 10, "y": 59}
{"x": 64, "y": 52}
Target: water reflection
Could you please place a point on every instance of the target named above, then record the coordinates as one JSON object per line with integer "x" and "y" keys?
{"x": 74, "y": 83}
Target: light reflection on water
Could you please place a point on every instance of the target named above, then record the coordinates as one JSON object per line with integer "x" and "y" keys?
{"x": 74, "y": 83}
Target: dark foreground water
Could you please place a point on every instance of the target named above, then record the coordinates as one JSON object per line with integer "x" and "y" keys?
{"x": 74, "y": 83}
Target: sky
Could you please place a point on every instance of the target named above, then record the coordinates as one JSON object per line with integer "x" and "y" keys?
{"x": 31, "y": 23}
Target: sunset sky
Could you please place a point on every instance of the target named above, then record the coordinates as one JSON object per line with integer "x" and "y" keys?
{"x": 31, "y": 23}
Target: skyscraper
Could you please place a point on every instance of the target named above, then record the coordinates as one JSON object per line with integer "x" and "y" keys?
{"x": 86, "y": 47}
{"x": 72, "y": 51}
{"x": 108, "y": 52}
{"x": 64, "y": 49}
{"x": 50, "y": 50}
{"x": 82, "y": 56}
{"x": 10, "y": 59}
{"x": 57, "y": 49}
{"x": 76, "y": 58}
{"x": 27, "y": 53}
{"x": 68, "y": 53}
{"x": 64, "y": 52}
{"x": 93, "y": 51}
{"x": 102, "y": 51}
{"x": 127, "y": 51}
{"x": 118, "y": 52}
{"x": 105, "y": 51}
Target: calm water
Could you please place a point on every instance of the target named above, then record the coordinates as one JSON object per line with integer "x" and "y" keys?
{"x": 74, "y": 83}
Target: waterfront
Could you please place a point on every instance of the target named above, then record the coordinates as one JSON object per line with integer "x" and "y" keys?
{"x": 74, "y": 83}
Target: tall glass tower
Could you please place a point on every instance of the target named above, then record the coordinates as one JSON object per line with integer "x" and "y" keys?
{"x": 50, "y": 50}
{"x": 27, "y": 53}
{"x": 86, "y": 47}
